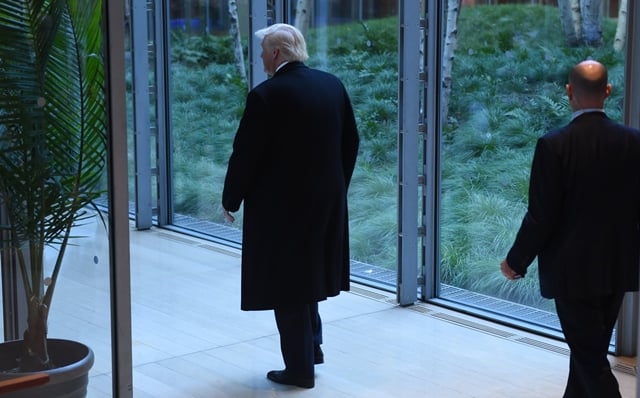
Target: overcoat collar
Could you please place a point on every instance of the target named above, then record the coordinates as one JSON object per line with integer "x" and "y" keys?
{"x": 289, "y": 66}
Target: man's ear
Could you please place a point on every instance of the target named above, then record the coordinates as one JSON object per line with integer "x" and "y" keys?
{"x": 607, "y": 90}
{"x": 569, "y": 91}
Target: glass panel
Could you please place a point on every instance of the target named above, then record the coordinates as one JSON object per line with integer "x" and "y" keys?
{"x": 357, "y": 41}
{"x": 208, "y": 89}
{"x": 56, "y": 233}
{"x": 510, "y": 68}
{"x": 131, "y": 167}
{"x": 142, "y": 45}
{"x": 81, "y": 308}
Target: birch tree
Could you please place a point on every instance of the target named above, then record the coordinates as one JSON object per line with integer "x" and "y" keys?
{"x": 570, "y": 21}
{"x": 450, "y": 45}
{"x": 302, "y": 16}
{"x": 234, "y": 31}
{"x": 621, "y": 29}
{"x": 591, "y": 12}
{"x": 581, "y": 21}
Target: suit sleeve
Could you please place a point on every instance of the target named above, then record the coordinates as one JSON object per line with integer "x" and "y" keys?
{"x": 249, "y": 146}
{"x": 545, "y": 204}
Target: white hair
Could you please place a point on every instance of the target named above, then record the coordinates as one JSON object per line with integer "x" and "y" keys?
{"x": 287, "y": 38}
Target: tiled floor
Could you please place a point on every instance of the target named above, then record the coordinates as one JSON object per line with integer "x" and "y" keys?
{"x": 190, "y": 338}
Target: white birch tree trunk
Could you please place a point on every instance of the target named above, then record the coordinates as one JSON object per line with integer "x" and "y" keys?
{"x": 234, "y": 31}
{"x": 581, "y": 21}
{"x": 576, "y": 19}
{"x": 450, "y": 45}
{"x": 303, "y": 15}
{"x": 591, "y": 13}
{"x": 570, "y": 21}
{"x": 621, "y": 29}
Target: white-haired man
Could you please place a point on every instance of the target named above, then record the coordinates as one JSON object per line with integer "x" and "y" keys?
{"x": 292, "y": 161}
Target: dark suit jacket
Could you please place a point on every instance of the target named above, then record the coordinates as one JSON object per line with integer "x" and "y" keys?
{"x": 584, "y": 210}
{"x": 292, "y": 161}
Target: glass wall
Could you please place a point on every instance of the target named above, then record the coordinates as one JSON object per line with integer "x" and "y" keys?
{"x": 81, "y": 307}
{"x": 208, "y": 85}
{"x": 503, "y": 72}
{"x": 507, "y": 89}
{"x": 55, "y": 255}
{"x": 360, "y": 46}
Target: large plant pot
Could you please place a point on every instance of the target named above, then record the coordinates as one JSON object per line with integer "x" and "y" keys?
{"x": 69, "y": 379}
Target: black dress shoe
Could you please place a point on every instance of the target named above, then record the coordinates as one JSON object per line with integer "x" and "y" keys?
{"x": 318, "y": 355}
{"x": 282, "y": 377}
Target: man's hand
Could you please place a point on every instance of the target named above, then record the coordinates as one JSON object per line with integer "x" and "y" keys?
{"x": 228, "y": 216}
{"x": 508, "y": 272}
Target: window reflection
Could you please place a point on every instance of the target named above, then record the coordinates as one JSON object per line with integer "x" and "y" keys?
{"x": 357, "y": 41}
{"x": 207, "y": 98}
{"x": 363, "y": 54}
{"x": 509, "y": 72}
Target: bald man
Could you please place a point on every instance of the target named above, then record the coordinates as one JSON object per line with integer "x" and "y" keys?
{"x": 582, "y": 223}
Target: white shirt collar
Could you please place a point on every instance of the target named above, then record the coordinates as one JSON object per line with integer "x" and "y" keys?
{"x": 583, "y": 111}
{"x": 280, "y": 66}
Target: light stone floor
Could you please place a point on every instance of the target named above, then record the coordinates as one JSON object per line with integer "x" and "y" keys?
{"x": 190, "y": 338}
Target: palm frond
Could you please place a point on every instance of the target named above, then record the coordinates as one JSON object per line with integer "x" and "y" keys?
{"x": 53, "y": 116}
{"x": 52, "y": 136}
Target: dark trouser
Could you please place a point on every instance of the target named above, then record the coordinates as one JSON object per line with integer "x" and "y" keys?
{"x": 587, "y": 325}
{"x": 300, "y": 331}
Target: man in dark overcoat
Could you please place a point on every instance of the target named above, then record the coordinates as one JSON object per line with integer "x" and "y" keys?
{"x": 292, "y": 161}
{"x": 583, "y": 224}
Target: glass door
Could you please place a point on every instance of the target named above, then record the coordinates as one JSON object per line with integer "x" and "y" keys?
{"x": 57, "y": 255}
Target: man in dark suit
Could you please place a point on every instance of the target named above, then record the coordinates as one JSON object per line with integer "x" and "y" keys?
{"x": 292, "y": 161}
{"x": 583, "y": 224}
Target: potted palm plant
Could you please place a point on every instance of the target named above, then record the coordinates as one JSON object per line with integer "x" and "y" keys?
{"x": 52, "y": 154}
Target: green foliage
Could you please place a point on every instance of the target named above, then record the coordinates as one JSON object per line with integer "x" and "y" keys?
{"x": 52, "y": 141}
{"x": 207, "y": 105}
{"x": 509, "y": 73}
{"x": 508, "y": 89}
{"x": 373, "y": 215}
{"x": 372, "y": 37}
{"x": 199, "y": 51}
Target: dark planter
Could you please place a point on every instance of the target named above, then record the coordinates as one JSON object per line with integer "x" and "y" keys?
{"x": 69, "y": 379}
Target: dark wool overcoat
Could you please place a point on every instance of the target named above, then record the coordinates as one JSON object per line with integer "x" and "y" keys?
{"x": 583, "y": 220}
{"x": 292, "y": 161}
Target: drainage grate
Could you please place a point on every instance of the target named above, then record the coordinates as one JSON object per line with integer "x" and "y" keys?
{"x": 546, "y": 346}
{"x": 420, "y": 308}
{"x": 176, "y": 238}
{"x": 369, "y": 294}
{"x": 513, "y": 310}
{"x": 628, "y": 369}
{"x": 219, "y": 250}
{"x": 473, "y": 325}
{"x": 374, "y": 273}
{"x": 208, "y": 228}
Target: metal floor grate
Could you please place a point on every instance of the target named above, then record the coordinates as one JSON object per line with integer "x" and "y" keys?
{"x": 510, "y": 309}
